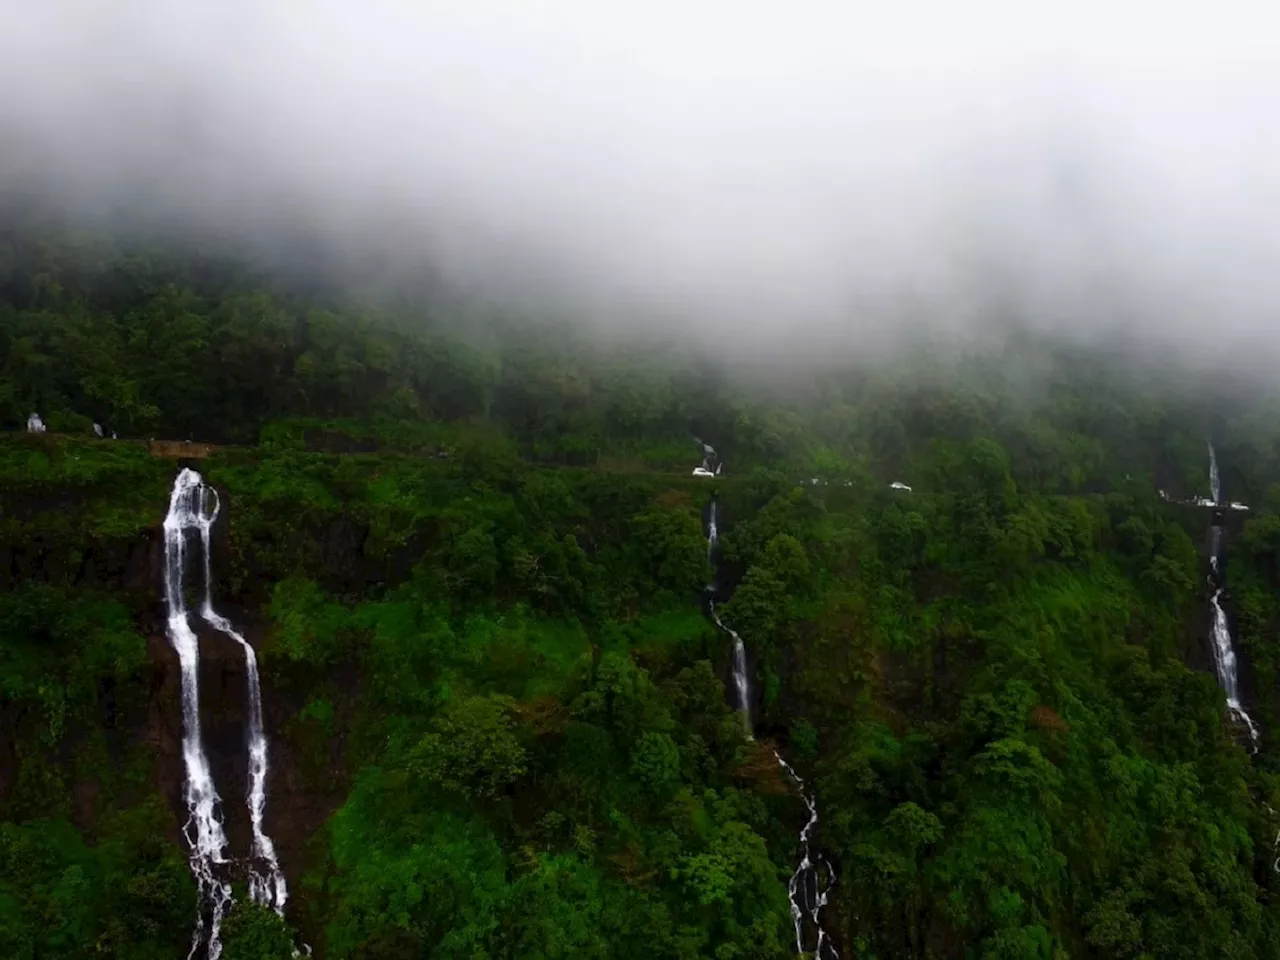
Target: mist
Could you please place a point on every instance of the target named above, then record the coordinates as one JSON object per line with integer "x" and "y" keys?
{"x": 782, "y": 179}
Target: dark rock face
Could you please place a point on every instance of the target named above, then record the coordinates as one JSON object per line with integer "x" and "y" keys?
{"x": 111, "y": 564}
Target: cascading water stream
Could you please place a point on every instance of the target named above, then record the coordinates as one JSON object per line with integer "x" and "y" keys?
{"x": 1215, "y": 481}
{"x": 266, "y": 882}
{"x": 710, "y": 461}
{"x": 1225, "y": 659}
{"x": 741, "y": 680}
{"x": 194, "y": 506}
{"x": 204, "y": 833}
{"x": 713, "y": 535}
{"x": 1224, "y": 654}
{"x": 811, "y": 883}
{"x": 808, "y": 889}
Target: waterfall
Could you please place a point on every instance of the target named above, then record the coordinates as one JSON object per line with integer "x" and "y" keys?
{"x": 1224, "y": 653}
{"x": 266, "y": 882}
{"x": 708, "y": 457}
{"x": 741, "y": 681}
{"x": 204, "y": 833}
{"x": 809, "y": 886}
{"x": 713, "y": 534}
{"x": 194, "y": 506}
{"x": 711, "y": 465}
{"x": 807, "y": 890}
{"x": 1224, "y": 658}
{"x": 1215, "y": 482}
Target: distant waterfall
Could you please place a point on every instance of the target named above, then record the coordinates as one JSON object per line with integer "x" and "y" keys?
{"x": 713, "y": 535}
{"x": 266, "y": 882}
{"x": 194, "y": 506}
{"x": 741, "y": 680}
{"x": 203, "y": 830}
{"x": 1215, "y": 481}
{"x": 710, "y": 461}
{"x": 810, "y": 884}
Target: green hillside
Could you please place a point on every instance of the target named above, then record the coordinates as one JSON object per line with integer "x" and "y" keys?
{"x": 472, "y": 559}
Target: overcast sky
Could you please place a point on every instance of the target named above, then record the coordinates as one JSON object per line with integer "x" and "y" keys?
{"x": 794, "y": 172}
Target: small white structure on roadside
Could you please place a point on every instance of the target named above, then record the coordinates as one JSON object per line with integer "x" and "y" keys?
{"x": 702, "y": 472}
{"x": 35, "y": 424}
{"x": 899, "y": 485}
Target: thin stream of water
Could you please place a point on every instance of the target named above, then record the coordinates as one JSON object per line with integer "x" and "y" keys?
{"x": 266, "y": 882}
{"x": 810, "y": 884}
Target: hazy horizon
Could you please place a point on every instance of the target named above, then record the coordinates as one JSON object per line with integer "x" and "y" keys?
{"x": 809, "y": 177}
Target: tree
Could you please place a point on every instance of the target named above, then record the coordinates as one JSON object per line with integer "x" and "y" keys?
{"x": 253, "y": 931}
{"x": 471, "y": 564}
{"x": 471, "y": 748}
{"x": 655, "y": 762}
{"x": 670, "y": 550}
{"x": 786, "y": 561}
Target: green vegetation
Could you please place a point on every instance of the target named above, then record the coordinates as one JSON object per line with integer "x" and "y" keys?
{"x": 471, "y": 562}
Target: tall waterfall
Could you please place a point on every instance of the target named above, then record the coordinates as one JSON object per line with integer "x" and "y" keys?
{"x": 203, "y": 830}
{"x": 266, "y": 882}
{"x": 1224, "y": 653}
{"x": 810, "y": 884}
{"x": 194, "y": 506}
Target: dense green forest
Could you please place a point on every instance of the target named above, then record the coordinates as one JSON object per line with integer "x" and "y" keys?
{"x": 471, "y": 558}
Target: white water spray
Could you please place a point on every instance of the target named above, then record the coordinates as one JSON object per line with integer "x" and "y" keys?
{"x": 807, "y": 889}
{"x": 266, "y": 882}
{"x": 204, "y": 833}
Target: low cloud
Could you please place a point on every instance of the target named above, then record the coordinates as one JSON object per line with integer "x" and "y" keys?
{"x": 785, "y": 177}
